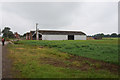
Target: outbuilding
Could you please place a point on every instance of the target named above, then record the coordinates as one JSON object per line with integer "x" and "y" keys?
{"x": 56, "y": 35}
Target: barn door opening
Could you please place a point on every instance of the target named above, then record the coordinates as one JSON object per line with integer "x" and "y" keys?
{"x": 40, "y": 37}
{"x": 70, "y": 37}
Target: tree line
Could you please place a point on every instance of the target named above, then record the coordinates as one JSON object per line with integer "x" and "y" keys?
{"x": 106, "y": 35}
{"x": 7, "y": 33}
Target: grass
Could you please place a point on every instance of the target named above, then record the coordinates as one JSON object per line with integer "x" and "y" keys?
{"x": 104, "y": 50}
{"x": 29, "y": 61}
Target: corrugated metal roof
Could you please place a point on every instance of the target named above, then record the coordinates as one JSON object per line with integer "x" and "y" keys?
{"x": 56, "y": 32}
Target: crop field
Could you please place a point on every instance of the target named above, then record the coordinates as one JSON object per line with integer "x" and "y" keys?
{"x": 65, "y": 59}
{"x": 105, "y": 50}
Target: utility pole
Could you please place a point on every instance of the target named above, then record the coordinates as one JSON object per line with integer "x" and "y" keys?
{"x": 36, "y": 31}
{"x": 0, "y": 31}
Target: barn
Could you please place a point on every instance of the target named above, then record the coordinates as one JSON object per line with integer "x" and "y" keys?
{"x": 56, "y": 35}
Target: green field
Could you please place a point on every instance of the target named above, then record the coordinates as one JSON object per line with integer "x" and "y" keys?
{"x": 105, "y": 50}
{"x": 62, "y": 59}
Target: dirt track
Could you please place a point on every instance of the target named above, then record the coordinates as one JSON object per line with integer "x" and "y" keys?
{"x": 0, "y": 60}
{"x": 91, "y": 63}
{"x": 6, "y": 63}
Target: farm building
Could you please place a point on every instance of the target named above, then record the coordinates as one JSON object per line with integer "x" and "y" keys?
{"x": 98, "y": 37}
{"x": 17, "y": 35}
{"x": 56, "y": 35}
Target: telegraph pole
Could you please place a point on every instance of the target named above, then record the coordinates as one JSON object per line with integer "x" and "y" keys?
{"x": 0, "y": 31}
{"x": 36, "y": 31}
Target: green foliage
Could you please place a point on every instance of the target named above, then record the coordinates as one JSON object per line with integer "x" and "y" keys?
{"x": 105, "y": 35}
{"x": 114, "y": 35}
{"x": 7, "y": 33}
{"x": 76, "y": 63}
{"x": 27, "y": 64}
{"x": 105, "y": 50}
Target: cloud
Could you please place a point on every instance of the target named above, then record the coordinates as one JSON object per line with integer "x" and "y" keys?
{"x": 0, "y": 14}
{"x": 88, "y": 17}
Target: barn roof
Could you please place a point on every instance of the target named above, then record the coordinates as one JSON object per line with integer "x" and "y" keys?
{"x": 56, "y": 32}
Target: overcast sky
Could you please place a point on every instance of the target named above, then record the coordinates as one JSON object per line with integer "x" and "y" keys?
{"x": 89, "y": 17}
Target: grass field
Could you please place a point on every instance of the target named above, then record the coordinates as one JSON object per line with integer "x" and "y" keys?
{"x": 105, "y": 50}
{"x": 62, "y": 59}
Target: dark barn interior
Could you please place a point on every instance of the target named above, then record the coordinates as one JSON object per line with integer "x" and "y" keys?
{"x": 70, "y": 37}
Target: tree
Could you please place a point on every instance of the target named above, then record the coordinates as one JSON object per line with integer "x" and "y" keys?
{"x": 99, "y": 35}
{"x": 102, "y": 35}
{"x": 114, "y": 35}
{"x": 108, "y": 35}
{"x": 118, "y": 35}
{"x": 7, "y": 33}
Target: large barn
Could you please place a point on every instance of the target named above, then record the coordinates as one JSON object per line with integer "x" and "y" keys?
{"x": 56, "y": 35}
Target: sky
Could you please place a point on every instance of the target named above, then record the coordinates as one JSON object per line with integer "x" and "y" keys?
{"x": 88, "y": 17}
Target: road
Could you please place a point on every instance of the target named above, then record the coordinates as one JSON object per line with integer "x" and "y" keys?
{"x": 0, "y": 60}
{"x": 6, "y": 63}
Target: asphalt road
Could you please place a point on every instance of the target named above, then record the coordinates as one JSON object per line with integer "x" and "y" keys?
{"x": 0, "y": 60}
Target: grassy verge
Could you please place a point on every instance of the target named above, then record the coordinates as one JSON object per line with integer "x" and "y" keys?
{"x": 30, "y": 61}
{"x": 105, "y": 50}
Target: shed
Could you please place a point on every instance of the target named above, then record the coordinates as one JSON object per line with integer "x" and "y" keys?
{"x": 56, "y": 35}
